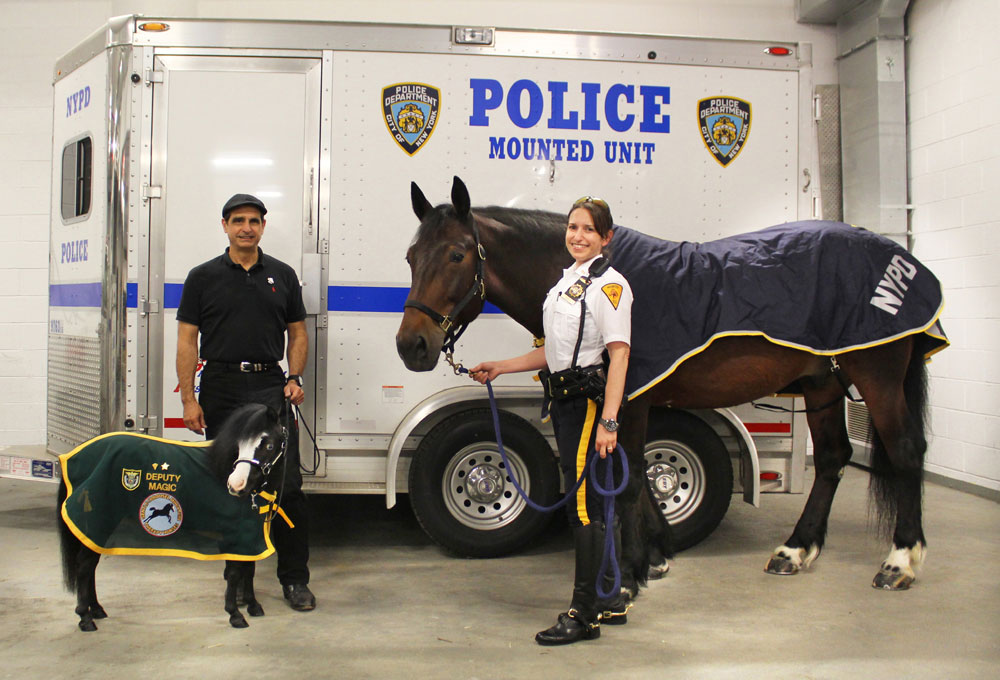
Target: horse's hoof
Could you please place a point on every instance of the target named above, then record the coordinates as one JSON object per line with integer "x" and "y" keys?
{"x": 658, "y": 571}
{"x": 780, "y": 565}
{"x": 87, "y": 626}
{"x": 237, "y": 621}
{"x": 892, "y": 578}
{"x": 254, "y": 609}
{"x": 97, "y": 611}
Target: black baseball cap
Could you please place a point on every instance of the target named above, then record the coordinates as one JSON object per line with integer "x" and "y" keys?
{"x": 239, "y": 200}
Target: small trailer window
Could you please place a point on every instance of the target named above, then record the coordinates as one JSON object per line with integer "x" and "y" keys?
{"x": 77, "y": 167}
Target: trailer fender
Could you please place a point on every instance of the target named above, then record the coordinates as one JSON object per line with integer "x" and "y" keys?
{"x": 748, "y": 456}
{"x": 430, "y": 408}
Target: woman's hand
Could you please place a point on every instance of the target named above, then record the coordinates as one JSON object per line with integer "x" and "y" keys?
{"x": 605, "y": 442}
{"x": 488, "y": 370}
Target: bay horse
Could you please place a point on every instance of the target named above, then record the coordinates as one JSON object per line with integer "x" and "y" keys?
{"x": 248, "y": 450}
{"x": 452, "y": 277}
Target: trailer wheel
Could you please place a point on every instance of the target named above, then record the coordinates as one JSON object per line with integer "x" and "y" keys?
{"x": 690, "y": 474}
{"x": 461, "y": 492}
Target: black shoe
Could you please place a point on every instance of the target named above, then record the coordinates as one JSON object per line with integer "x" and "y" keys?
{"x": 571, "y": 627}
{"x": 299, "y": 597}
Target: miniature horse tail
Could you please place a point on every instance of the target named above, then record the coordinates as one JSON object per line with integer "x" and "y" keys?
{"x": 68, "y": 543}
{"x": 889, "y": 477}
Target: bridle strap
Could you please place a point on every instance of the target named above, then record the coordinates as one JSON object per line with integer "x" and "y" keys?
{"x": 447, "y": 322}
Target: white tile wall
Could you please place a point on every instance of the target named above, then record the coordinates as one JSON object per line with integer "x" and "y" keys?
{"x": 953, "y": 68}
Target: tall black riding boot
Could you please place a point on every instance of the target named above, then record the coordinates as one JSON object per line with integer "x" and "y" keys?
{"x": 582, "y": 621}
{"x": 614, "y": 608}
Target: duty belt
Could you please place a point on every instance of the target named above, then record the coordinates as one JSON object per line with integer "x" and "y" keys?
{"x": 244, "y": 366}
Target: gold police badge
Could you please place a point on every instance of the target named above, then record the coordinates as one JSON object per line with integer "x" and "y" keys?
{"x": 131, "y": 479}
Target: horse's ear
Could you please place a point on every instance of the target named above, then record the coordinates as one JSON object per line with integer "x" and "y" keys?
{"x": 421, "y": 206}
{"x": 460, "y": 199}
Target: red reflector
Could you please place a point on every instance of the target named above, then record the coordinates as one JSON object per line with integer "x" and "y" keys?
{"x": 778, "y": 51}
{"x": 770, "y": 476}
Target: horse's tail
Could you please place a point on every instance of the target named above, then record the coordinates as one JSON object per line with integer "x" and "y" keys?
{"x": 887, "y": 478}
{"x": 69, "y": 544}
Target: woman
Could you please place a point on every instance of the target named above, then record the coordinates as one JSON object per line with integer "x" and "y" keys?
{"x": 573, "y": 354}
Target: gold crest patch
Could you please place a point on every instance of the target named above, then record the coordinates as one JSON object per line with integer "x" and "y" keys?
{"x": 614, "y": 293}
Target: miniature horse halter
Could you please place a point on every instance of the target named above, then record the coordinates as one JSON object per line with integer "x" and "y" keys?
{"x": 265, "y": 469}
{"x": 447, "y": 322}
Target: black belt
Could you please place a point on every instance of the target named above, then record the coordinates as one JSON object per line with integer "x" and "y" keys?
{"x": 243, "y": 366}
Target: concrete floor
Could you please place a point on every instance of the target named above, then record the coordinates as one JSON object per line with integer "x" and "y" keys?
{"x": 392, "y": 605}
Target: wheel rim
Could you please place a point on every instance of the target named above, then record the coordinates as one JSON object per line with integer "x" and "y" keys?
{"x": 477, "y": 488}
{"x": 676, "y": 476}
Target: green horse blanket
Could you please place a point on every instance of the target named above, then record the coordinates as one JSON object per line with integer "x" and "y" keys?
{"x": 133, "y": 494}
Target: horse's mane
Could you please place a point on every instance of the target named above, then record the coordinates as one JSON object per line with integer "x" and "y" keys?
{"x": 531, "y": 224}
{"x": 245, "y": 422}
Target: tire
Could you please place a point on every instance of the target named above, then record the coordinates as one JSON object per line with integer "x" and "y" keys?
{"x": 491, "y": 519}
{"x": 690, "y": 474}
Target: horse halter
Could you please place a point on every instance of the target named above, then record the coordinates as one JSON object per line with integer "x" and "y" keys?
{"x": 447, "y": 322}
{"x": 265, "y": 467}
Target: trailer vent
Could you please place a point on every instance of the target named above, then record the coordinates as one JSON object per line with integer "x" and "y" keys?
{"x": 858, "y": 421}
{"x": 74, "y": 390}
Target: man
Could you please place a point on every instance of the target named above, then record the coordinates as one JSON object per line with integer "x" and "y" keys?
{"x": 242, "y": 303}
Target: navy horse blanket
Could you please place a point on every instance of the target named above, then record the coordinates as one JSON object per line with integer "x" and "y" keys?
{"x": 133, "y": 494}
{"x": 817, "y": 286}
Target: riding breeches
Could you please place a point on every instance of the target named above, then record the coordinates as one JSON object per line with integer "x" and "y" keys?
{"x": 575, "y": 425}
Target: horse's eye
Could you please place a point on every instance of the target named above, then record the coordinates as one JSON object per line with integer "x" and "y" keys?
{"x": 457, "y": 256}
{"x": 270, "y": 446}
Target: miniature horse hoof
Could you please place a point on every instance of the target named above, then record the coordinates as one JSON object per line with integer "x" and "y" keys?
{"x": 892, "y": 578}
{"x": 780, "y": 565}
{"x": 97, "y": 612}
{"x": 254, "y": 609}
{"x": 87, "y": 626}
{"x": 237, "y": 621}
{"x": 658, "y": 571}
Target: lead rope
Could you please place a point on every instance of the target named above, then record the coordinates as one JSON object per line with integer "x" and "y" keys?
{"x": 608, "y": 493}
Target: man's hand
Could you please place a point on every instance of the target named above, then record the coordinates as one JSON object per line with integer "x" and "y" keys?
{"x": 294, "y": 393}
{"x": 194, "y": 417}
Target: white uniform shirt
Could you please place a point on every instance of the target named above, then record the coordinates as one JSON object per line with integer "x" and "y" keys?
{"x": 609, "y": 318}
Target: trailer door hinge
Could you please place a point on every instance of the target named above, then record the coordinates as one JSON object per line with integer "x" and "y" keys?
{"x": 153, "y": 76}
{"x": 324, "y": 247}
{"x": 322, "y": 321}
{"x": 146, "y": 307}
{"x": 151, "y": 191}
{"x": 147, "y": 422}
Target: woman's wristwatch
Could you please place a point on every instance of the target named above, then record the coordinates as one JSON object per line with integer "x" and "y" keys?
{"x": 610, "y": 424}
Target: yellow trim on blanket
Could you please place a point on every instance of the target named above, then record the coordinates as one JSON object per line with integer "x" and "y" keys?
{"x": 163, "y": 552}
{"x": 802, "y": 348}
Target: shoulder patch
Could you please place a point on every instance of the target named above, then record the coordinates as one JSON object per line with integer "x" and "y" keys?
{"x": 613, "y": 291}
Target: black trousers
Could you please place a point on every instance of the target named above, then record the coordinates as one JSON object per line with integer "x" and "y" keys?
{"x": 222, "y": 392}
{"x": 575, "y": 424}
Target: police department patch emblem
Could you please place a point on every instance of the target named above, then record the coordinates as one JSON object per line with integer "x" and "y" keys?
{"x": 613, "y": 291}
{"x": 160, "y": 514}
{"x": 410, "y": 111}
{"x": 131, "y": 479}
{"x": 725, "y": 125}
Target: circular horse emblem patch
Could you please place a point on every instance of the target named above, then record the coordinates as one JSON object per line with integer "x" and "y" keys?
{"x": 160, "y": 514}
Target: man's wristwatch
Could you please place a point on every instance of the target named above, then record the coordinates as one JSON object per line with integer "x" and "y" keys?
{"x": 609, "y": 424}
{"x": 297, "y": 378}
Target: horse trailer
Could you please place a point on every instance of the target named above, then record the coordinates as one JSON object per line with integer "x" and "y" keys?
{"x": 158, "y": 120}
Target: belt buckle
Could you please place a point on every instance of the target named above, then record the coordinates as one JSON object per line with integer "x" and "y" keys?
{"x": 246, "y": 367}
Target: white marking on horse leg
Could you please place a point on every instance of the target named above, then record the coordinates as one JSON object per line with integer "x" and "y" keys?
{"x": 905, "y": 560}
{"x": 793, "y": 555}
{"x": 811, "y": 556}
{"x": 238, "y": 477}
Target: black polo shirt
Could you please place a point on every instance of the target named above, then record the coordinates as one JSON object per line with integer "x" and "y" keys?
{"x": 242, "y": 315}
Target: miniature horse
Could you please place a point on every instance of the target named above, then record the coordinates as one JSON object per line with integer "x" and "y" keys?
{"x": 249, "y": 449}
{"x": 452, "y": 278}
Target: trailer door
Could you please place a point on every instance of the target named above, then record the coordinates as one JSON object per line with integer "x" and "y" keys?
{"x": 224, "y": 125}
